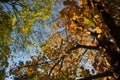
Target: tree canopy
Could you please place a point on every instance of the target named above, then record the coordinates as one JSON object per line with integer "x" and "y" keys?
{"x": 17, "y": 19}
{"x": 84, "y": 43}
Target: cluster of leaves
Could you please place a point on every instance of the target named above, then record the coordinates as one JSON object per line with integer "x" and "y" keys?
{"x": 90, "y": 36}
{"x": 23, "y": 15}
{"x": 32, "y": 11}
{"x": 16, "y": 22}
{"x": 17, "y": 18}
{"x": 5, "y": 37}
{"x": 82, "y": 30}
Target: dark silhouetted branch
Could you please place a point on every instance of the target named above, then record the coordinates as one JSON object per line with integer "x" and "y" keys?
{"x": 56, "y": 64}
{"x": 84, "y": 46}
{"x": 100, "y": 75}
{"x": 114, "y": 29}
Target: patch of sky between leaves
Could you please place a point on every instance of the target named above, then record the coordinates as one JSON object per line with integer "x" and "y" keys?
{"x": 22, "y": 56}
{"x": 8, "y": 8}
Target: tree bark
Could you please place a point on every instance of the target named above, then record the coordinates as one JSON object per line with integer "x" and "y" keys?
{"x": 84, "y": 46}
{"x": 114, "y": 29}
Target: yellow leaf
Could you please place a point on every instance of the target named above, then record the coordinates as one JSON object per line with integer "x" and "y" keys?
{"x": 96, "y": 16}
{"x": 25, "y": 30}
{"x": 31, "y": 45}
{"x": 98, "y": 30}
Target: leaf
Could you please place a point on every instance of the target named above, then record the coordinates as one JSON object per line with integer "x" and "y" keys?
{"x": 36, "y": 77}
{"x": 87, "y": 21}
{"x": 96, "y": 16}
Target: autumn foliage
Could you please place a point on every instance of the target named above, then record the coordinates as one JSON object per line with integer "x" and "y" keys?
{"x": 84, "y": 43}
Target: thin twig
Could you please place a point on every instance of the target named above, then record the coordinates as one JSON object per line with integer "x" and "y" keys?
{"x": 104, "y": 74}
{"x": 54, "y": 20}
{"x": 61, "y": 63}
{"x": 54, "y": 67}
{"x": 7, "y": 7}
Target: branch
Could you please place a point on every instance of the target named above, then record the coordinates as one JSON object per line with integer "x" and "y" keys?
{"x": 114, "y": 29}
{"x": 5, "y": 1}
{"x": 84, "y": 46}
{"x": 55, "y": 65}
{"x": 61, "y": 63}
{"x": 100, "y": 75}
{"x": 6, "y": 7}
{"x": 54, "y": 20}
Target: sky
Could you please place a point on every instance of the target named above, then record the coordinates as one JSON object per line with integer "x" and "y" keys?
{"x": 23, "y": 56}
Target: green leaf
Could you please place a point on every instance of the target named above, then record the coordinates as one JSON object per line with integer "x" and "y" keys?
{"x": 36, "y": 78}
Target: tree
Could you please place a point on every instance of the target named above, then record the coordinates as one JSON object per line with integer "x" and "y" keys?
{"x": 17, "y": 20}
{"x": 89, "y": 35}
{"x": 24, "y": 14}
{"x": 5, "y": 37}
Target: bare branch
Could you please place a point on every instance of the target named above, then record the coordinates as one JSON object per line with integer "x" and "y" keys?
{"x": 61, "y": 63}
{"x": 104, "y": 74}
{"x": 54, "y": 67}
{"x": 84, "y": 46}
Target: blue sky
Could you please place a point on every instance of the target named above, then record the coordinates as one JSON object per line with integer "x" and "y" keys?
{"x": 39, "y": 31}
{"x": 21, "y": 55}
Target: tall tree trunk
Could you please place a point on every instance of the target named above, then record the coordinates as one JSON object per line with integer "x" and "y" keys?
{"x": 114, "y": 29}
